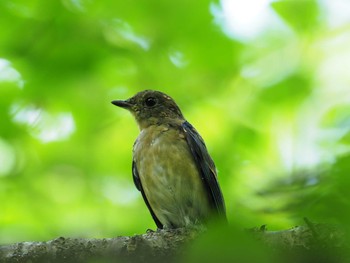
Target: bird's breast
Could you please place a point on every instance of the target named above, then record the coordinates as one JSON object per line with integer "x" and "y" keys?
{"x": 170, "y": 177}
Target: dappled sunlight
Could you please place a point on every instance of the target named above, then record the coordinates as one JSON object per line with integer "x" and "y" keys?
{"x": 9, "y": 74}
{"x": 43, "y": 125}
{"x": 75, "y": 5}
{"x": 121, "y": 33}
{"x": 178, "y": 58}
{"x": 272, "y": 66}
{"x": 246, "y": 20}
{"x": 336, "y": 12}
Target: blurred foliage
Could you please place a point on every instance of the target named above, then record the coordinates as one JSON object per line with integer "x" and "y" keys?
{"x": 273, "y": 109}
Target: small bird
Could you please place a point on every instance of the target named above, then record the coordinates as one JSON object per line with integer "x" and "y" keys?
{"x": 171, "y": 166}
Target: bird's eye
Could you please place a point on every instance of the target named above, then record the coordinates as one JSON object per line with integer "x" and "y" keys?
{"x": 150, "y": 102}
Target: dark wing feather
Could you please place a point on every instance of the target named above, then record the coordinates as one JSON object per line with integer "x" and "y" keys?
{"x": 137, "y": 181}
{"x": 206, "y": 168}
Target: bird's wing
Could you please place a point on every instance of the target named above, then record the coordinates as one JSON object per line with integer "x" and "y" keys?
{"x": 206, "y": 168}
{"x": 137, "y": 181}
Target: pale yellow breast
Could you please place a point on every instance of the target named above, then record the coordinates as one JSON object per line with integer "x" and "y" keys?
{"x": 169, "y": 177}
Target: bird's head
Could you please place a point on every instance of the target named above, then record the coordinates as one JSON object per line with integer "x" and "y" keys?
{"x": 151, "y": 107}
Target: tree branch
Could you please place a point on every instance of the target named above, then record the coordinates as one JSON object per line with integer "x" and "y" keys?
{"x": 162, "y": 245}
{"x": 152, "y": 245}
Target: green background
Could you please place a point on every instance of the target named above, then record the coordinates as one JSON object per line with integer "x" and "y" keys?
{"x": 273, "y": 109}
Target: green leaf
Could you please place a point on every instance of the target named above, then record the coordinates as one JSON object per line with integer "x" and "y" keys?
{"x": 301, "y": 15}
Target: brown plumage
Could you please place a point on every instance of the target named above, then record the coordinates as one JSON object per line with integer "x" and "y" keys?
{"x": 171, "y": 165}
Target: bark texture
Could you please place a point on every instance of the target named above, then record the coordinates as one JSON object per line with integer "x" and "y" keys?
{"x": 165, "y": 245}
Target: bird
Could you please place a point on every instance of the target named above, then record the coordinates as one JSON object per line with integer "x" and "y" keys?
{"x": 171, "y": 166}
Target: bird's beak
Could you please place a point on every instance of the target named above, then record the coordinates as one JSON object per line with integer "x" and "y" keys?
{"x": 122, "y": 103}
